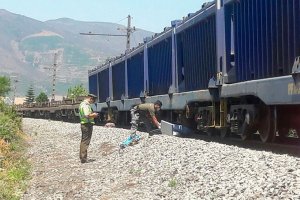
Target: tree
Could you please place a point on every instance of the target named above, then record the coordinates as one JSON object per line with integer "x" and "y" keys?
{"x": 30, "y": 95}
{"x": 76, "y": 91}
{"x": 4, "y": 85}
{"x": 42, "y": 97}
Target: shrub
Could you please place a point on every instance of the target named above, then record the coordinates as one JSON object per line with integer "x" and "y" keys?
{"x": 172, "y": 183}
{"x": 10, "y": 122}
{"x": 14, "y": 167}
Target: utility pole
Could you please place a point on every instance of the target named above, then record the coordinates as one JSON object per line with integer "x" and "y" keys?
{"x": 129, "y": 30}
{"x": 54, "y": 66}
{"x": 15, "y": 81}
{"x": 15, "y": 90}
{"x": 54, "y": 76}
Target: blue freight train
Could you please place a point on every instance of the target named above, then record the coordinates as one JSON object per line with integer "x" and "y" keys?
{"x": 230, "y": 68}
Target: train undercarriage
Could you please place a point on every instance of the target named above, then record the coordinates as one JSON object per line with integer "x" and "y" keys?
{"x": 228, "y": 117}
{"x": 226, "y": 113}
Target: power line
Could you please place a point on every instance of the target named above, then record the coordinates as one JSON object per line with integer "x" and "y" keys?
{"x": 103, "y": 34}
{"x": 129, "y": 30}
{"x": 121, "y": 20}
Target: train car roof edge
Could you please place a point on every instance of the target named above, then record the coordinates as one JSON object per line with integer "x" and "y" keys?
{"x": 203, "y": 14}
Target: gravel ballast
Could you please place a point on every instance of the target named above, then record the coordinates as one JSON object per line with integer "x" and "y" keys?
{"x": 159, "y": 167}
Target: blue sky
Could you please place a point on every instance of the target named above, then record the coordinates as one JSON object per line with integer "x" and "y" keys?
{"x": 151, "y": 15}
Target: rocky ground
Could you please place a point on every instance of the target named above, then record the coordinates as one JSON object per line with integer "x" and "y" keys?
{"x": 159, "y": 167}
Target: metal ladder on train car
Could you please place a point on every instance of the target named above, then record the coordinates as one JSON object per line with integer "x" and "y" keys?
{"x": 222, "y": 123}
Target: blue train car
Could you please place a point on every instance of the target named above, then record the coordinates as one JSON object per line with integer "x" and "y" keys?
{"x": 160, "y": 63}
{"x": 135, "y": 73}
{"x": 196, "y": 52}
{"x": 103, "y": 86}
{"x": 93, "y": 83}
{"x": 118, "y": 79}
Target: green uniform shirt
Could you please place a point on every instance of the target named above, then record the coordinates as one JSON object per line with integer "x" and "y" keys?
{"x": 84, "y": 110}
{"x": 147, "y": 108}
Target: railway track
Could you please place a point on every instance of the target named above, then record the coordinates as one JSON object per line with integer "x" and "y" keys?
{"x": 290, "y": 146}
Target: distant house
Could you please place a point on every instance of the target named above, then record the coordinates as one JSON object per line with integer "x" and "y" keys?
{"x": 19, "y": 100}
{"x": 6, "y": 100}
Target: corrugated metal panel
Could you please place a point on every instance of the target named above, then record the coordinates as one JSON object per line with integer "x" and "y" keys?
{"x": 196, "y": 55}
{"x": 267, "y": 37}
{"x": 118, "y": 77}
{"x": 103, "y": 84}
{"x": 199, "y": 16}
{"x": 135, "y": 70}
{"x": 93, "y": 84}
{"x": 160, "y": 67}
{"x": 229, "y": 39}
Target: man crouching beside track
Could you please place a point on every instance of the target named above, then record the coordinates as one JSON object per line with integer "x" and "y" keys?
{"x": 87, "y": 121}
{"x": 145, "y": 112}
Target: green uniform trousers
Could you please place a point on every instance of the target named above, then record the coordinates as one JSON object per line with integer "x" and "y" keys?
{"x": 137, "y": 117}
{"x": 86, "y": 130}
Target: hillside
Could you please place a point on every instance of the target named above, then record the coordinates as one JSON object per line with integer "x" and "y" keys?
{"x": 27, "y": 48}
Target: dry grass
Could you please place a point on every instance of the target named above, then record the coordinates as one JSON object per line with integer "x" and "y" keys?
{"x": 14, "y": 168}
{"x": 4, "y": 148}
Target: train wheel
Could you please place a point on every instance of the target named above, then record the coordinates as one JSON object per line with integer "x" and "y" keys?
{"x": 283, "y": 134}
{"x": 298, "y": 133}
{"x": 36, "y": 114}
{"x": 71, "y": 116}
{"x": 27, "y": 114}
{"x": 247, "y": 131}
{"x": 52, "y": 116}
{"x": 224, "y": 132}
{"x": 267, "y": 126}
{"x": 47, "y": 115}
{"x": 211, "y": 132}
{"x": 58, "y": 115}
{"x": 246, "y": 127}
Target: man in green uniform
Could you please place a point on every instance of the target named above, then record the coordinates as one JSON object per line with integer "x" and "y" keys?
{"x": 146, "y": 113}
{"x": 87, "y": 121}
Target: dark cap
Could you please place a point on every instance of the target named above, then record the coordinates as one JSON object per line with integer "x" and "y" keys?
{"x": 92, "y": 95}
{"x": 158, "y": 102}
